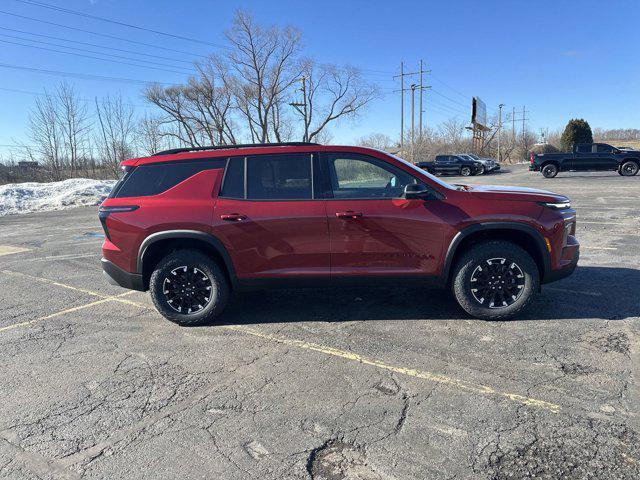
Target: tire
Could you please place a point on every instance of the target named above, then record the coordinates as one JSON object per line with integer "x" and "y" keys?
{"x": 550, "y": 170}
{"x": 629, "y": 168}
{"x": 481, "y": 170}
{"x": 465, "y": 171}
{"x": 189, "y": 267}
{"x": 508, "y": 261}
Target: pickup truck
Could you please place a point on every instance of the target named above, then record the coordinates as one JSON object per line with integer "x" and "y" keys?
{"x": 587, "y": 157}
{"x": 453, "y": 165}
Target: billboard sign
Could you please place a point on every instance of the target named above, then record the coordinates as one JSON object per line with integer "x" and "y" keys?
{"x": 478, "y": 113}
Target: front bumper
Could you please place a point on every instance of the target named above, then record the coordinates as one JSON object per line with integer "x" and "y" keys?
{"x": 568, "y": 262}
{"x": 116, "y": 276}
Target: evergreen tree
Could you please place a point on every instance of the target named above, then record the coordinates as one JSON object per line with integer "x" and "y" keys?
{"x": 576, "y": 131}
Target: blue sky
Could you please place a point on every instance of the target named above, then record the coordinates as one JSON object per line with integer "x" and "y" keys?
{"x": 561, "y": 59}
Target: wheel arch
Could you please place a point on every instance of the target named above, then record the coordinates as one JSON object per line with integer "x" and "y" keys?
{"x": 158, "y": 244}
{"x": 520, "y": 234}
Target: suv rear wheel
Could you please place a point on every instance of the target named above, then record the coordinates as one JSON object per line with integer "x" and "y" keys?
{"x": 189, "y": 288}
{"x": 495, "y": 280}
{"x": 629, "y": 168}
{"x": 550, "y": 170}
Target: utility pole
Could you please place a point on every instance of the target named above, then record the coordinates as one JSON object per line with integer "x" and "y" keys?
{"x": 303, "y": 104}
{"x": 513, "y": 127}
{"x": 402, "y": 75}
{"x": 413, "y": 96}
{"x": 420, "y": 122}
{"x": 499, "y": 129}
{"x": 524, "y": 133}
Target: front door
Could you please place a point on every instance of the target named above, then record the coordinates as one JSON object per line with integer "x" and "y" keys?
{"x": 584, "y": 159}
{"x": 373, "y": 230}
{"x": 269, "y": 219}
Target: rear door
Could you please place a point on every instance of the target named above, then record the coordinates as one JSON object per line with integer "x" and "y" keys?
{"x": 270, "y": 218}
{"x": 373, "y": 230}
{"x": 585, "y": 158}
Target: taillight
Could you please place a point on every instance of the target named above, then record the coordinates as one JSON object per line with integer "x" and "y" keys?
{"x": 531, "y": 157}
{"x": 104, "y": 212}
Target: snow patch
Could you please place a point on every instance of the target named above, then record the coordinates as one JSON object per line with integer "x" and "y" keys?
{"x": 41, "y": 197}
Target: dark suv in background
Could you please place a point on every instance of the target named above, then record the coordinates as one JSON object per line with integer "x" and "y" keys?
{"x": 191, "y": 225}
{"x": 452, "y": 165}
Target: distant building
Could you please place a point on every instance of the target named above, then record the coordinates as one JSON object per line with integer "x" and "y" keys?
{"x": 24, "y": 165}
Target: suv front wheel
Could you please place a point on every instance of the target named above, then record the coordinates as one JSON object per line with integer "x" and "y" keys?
{"x": 189, "y": 288}
{"x": 495, "y": 280}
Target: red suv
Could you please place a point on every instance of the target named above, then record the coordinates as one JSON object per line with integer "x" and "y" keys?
{"x": 190, "y": 225}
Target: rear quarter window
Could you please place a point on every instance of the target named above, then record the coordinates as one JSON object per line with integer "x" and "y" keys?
{"x": 153, "y": 179}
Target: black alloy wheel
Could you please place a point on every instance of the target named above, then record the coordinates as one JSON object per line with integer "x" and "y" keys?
{"x": 187, "y": 289}
{"x": 498, "y": 283}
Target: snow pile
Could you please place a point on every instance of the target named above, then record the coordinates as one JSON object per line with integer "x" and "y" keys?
{"x": 39, "y": 197}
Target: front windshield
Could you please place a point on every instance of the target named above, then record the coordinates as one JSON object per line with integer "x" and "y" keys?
{"x": 475, "y": 157}
{"x": 422, "y": 172}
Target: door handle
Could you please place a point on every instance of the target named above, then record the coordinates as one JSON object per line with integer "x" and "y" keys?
{"x": 233, "y": 217}
{"x": 349, "y": 214}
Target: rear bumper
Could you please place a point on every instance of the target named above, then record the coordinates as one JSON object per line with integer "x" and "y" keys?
{"x": 534, "y": 168}
{"x": 116, "y": 276}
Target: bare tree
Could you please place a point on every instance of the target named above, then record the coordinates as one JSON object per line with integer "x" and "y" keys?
{"x": 46, "y": 135}
{"x": 332, "y": 93}
{"x": 115, "y": 138}
{"x": 380, "y": 141}
{"x": 74, "y": 126}
{"x": 265, "y": 66}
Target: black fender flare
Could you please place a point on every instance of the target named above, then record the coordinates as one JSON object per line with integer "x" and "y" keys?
{"x": 487, "y": 226}
{"x": 190, "y": 234}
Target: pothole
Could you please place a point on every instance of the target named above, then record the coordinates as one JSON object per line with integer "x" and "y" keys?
{"x": 339, "y": 460}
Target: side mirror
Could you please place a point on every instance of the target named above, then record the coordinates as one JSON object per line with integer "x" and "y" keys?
{"x": 416, "y": 191}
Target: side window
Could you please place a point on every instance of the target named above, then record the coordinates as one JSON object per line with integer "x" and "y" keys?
{"x": 365, "y": 177}
{"x": 233, "y": 186}
{"x": 279, "y": 177}
{"x": 602, "y": 148}
{"x": 147, "y": 180}
{"x": 584, "y": 149}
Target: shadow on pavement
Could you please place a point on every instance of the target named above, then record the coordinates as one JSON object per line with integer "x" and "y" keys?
{"x": 591, "y": 292}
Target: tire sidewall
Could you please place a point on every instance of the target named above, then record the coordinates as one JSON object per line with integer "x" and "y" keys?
{"x": 465, "y": 171}
{"x": 624, "y": 173}
{"x": 549, "y": 171}
{"x": 190, "y": 258}
{"x": 461, "y": 283}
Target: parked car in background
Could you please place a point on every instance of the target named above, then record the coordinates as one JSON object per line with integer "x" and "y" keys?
{"x": 452, "y": 165}
{"x": 489, "y": 164}
{"x": 587, "y": 157}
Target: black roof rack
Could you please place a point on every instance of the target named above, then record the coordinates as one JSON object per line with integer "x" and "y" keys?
{"x": 240, "y": 145}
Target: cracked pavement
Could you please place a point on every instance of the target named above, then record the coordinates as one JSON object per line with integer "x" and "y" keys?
{"x": 394, "y": 383}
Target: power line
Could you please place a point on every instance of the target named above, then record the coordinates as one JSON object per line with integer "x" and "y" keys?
{"x": 113, "y": 37}
{"x": 190, "y": 62}
{"x": 466, "y": 97}
{"x": 86, "y": 100}
{"x": 91, "y": 51}
{"x": 115, "y": 22}
{"x": 82, "y": 76}
{"x": 93, "y": 57}
{"x": 449, "y": 98}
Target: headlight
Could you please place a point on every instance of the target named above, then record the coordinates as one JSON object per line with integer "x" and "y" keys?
{"x": 557, "y": 205}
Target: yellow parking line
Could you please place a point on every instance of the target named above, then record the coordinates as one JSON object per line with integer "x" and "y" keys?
{"x": 65, "y": 311}
{"x": 53, "y": 282}
{"x": 8, "y": 250}
{"x": 434, "y": 377}
{"x": 422, "y": 374}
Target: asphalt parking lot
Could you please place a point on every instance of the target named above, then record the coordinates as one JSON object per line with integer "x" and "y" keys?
{"x": 322, "y": 384}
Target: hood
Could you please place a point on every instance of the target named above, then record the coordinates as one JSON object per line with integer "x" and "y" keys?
{"x": 523, "y": 194}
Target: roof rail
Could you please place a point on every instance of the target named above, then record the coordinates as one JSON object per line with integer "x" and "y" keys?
{"x": 224, "y": 147}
